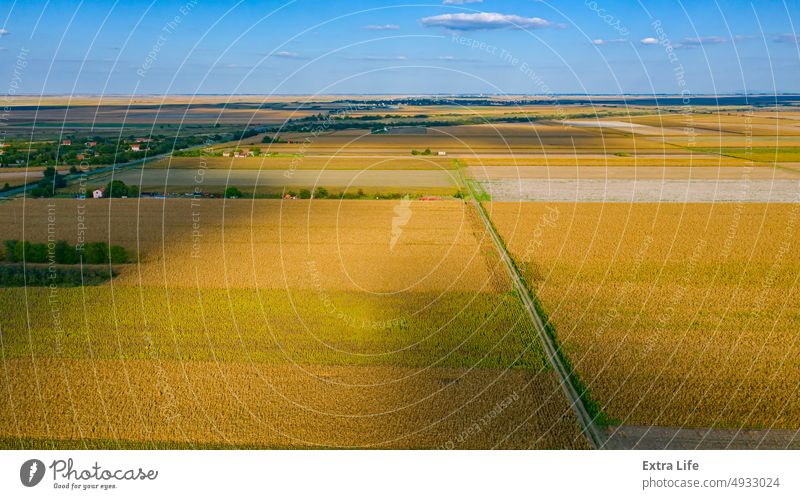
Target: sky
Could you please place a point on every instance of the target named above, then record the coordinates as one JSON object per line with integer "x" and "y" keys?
{"x": 384, "y": 47}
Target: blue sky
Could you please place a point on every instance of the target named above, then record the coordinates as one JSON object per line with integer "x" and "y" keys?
{"x": 455, "y": 46}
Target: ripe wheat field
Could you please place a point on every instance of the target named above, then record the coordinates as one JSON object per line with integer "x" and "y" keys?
{"x": 269, "y": 324}
{"x": 674, "y": 315}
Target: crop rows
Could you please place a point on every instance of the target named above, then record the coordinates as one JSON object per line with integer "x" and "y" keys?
{"x": 672, "y": 314}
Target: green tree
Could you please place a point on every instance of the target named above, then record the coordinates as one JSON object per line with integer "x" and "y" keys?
{"x": 305, "y": 194}
{"x": 321, "y": 193}
{"x": 118, "y": 254}
{"x": 95, "y": 253}
{"x": 12, "y": 255}
{"x": 65, "y": 253}
{"x": 35, "y": 252}
{"x": 233, "y": 192}
{"x": 116, "y": 189}
{"x": 133, "y": 191}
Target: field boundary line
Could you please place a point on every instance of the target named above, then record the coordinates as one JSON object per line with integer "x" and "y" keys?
{"x": 587, "y": 422}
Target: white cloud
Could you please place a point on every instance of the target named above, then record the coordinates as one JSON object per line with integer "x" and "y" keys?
{"x": 484, "y": 20}
{"x": 649, "y": 41}
{"x": 382, "y": 27}
{"x": 699, "y": 42}
{"x": 287, "y": 55}
{"x": 3, "y": 31}
{"x": 380, "y": 58}
{"x": 600, "y": 41}
{"x": 787, "y": 38}
{"x": 460, "y": 2}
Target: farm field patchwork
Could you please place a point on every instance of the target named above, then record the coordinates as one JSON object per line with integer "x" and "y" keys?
{"x": 392, "y": 323}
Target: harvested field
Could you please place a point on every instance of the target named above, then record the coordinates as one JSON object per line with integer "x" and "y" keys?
{"x": 673, "y": 315}
{"x": 645, "y": 191}
{"x": 655, "y": 437}
{"x": 625, "y": 173}
{"x": 610, "y": 160}
{"x": 20, "y": 176}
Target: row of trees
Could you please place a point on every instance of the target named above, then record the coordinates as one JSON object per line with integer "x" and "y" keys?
{"x": 118, "y": 189}
{"x": 50, "y": 183}
{"x": 64, "y": 253}
{"x": 19, "y": 275}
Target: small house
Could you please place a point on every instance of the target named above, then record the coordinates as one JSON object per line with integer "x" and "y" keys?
{"x": 442, "y": 153}
{"x": 136, "y": 147}
{"x": 66, "y": 142}
{"x": 98, "y": 193}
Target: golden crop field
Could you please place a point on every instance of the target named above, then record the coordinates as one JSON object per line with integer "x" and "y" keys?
{"x": 276, "y": 324}
{"x": 675, "y": 315}
{"x": 271, "y": 243}
{"x": 153, "y": 404}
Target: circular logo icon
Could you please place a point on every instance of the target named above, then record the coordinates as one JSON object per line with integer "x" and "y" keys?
{"x": 31, "y": 472}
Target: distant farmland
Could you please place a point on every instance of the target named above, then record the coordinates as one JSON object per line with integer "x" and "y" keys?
{"x": 289, "y": 162}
